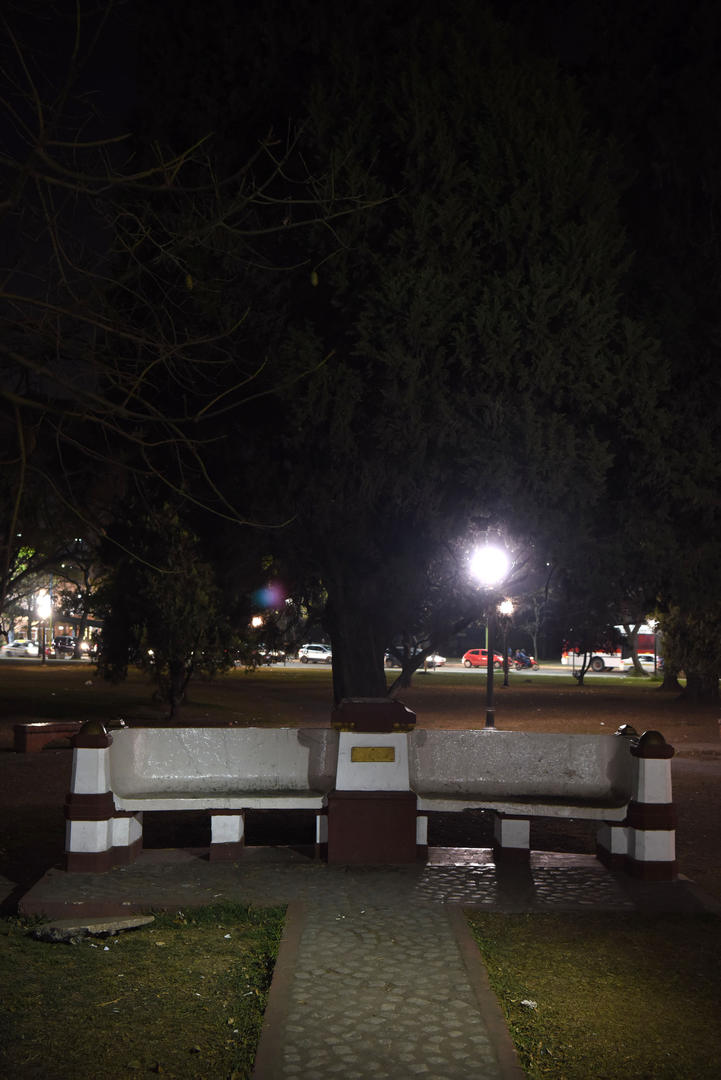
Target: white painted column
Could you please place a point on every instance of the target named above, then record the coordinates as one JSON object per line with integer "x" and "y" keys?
{"x": 651, "y": 815}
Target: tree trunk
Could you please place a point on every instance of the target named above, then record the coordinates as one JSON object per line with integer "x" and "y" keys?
{"x": 701, "y": 687}
{"x": 177, "y": 685}
{"x": 670, "y": 681}
{"x": 579, "y": 673}
{"x": 404, "y": 680}
{"x": 357, "y": 632}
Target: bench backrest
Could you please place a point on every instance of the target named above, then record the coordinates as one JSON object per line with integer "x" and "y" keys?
{"x": 514, "y": 763}
{"x": 220, "y": 760}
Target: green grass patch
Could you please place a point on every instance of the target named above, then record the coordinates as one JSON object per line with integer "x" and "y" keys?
{"x": 450, "y": 678}
{"x": 183, "y": 997}
{"x": 616, "y": 995}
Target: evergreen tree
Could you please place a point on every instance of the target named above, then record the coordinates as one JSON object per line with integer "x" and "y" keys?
{"x": 480, "y": 362}
{"x": 163, "y": 607}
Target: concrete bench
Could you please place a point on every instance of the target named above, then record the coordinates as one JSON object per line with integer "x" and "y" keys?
{"x": 31, "y": 736}
{"x": 372, "y": 790}
{"x": 620, "y": 781}
{"x": 220, "y": 769}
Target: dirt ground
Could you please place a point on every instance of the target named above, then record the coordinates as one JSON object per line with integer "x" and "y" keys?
{"x": 33, "y": 786}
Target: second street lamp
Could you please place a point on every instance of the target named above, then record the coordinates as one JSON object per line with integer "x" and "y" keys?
{"x": 505, "y": 610}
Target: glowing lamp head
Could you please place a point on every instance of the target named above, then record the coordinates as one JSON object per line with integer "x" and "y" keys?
{"x": 489, "y": 565}
{"x": 43, "y": 605}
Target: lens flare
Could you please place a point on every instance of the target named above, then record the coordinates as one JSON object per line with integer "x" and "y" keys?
{"x": 270, "y": 596}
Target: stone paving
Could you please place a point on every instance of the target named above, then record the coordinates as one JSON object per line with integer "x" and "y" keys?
{"x": 380, "y": 992}
{"x": 167, "y": 879}
{"x": 377, "y": 975}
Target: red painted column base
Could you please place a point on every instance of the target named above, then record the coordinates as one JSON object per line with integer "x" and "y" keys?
{"x": 370, "y": 827}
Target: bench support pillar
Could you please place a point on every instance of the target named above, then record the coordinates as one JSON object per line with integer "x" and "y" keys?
{"x": 422, "y": 837}
{"x": 511, "y": 835}
{"x": 94, "y": 845}
{"x": 612, "y": 844}
{"x": 371, "y": 827}
{"x": 227, "y": 835}
{"x": 97, "y": 836}
{"x": 321, "y": 835}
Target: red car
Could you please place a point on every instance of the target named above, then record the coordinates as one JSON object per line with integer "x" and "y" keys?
{"x": 479, "y": 658}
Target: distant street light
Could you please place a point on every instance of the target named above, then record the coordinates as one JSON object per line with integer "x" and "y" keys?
{"x": 490, "y": 565}
{"x": 43, "y": 608}
{"x": 505, "y": 610}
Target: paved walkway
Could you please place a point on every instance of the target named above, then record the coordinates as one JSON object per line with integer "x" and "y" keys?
{"x": 377, "y": 975}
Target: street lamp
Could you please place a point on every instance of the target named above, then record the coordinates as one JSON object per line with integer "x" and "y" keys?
{"x": 505, "y": 609}
{"x": 489, "y": 565}
{"x": 43, "y": 608}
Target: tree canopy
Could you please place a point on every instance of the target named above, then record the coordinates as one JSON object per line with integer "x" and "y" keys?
{"x": 434, "y": 276}
{"x": 477, "y": 363}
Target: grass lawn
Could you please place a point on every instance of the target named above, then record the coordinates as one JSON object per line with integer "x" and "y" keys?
{"x": 607, "y": 996}
{"x": 183, "y": 997}
{"x": 299, "y": 695}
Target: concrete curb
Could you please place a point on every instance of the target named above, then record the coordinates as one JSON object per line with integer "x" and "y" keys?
{"x": 268, "y": 1056}
{"x": 490, "y": 1010}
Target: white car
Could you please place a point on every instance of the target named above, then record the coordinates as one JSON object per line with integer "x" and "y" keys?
{"x": 21, "y": 647}
{"x": 434, "y": 660}
{"x": 315, "y": 654}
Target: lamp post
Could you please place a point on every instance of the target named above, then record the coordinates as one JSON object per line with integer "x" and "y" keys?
{"x": 505, "y": 609}
{"x": 43, "y": 607}
{"x": 489, "y": 565}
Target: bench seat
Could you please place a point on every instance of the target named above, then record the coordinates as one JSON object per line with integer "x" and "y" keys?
{"x": 530, "y": 806}
{"x": 276, "y": 799}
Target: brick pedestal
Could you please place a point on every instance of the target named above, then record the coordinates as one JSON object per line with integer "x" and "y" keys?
{"x": 366, "y": 828}
{"x": 372, "y": 812}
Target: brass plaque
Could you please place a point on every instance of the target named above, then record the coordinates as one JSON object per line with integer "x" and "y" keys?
{"x": 373, "y": 753}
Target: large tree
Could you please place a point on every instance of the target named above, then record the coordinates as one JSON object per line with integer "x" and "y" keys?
{"x": 119, "y": 359}
{"x": 652, "y": 73}
{"x": 481, "y": 369}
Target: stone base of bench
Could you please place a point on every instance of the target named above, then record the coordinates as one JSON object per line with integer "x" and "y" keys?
{"x": 30, "y": 737}
{"x": 99, "y": 862}
{"x": 371, "y": 827}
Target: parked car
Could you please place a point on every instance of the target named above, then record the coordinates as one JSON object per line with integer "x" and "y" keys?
{"x": 315, "y": 654}
{"x": 479, "y": 658}
{"x": 434, "y": 660}
{"x": 21, "y": 647}
{"x": 65, "y": 646}
{"x": 270, "y": 656}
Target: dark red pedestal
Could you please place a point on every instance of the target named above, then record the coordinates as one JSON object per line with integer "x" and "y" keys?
{"x": 370, "y": 827}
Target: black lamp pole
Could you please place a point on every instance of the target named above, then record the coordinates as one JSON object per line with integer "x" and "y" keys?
{"x": 490, "y": 711}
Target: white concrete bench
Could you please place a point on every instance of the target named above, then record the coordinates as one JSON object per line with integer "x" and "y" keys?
{"x": 223, "y": 770}
{"x": 372, "y": 791}
{"x": 516, "y": 772}
{"x": 621, "y": 782}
